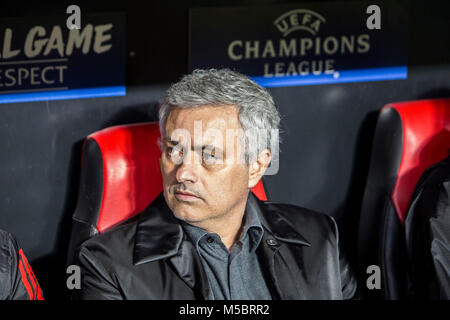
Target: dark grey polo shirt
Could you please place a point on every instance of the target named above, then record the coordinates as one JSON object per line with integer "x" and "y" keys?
{"x": 234, "y": 275}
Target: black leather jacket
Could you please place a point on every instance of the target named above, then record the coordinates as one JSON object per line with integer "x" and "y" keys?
{"x": 428, "y": 235}
{"x": 150, "y": 257}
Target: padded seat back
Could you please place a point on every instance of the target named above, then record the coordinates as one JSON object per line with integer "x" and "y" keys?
{"x": 409, "y": 137}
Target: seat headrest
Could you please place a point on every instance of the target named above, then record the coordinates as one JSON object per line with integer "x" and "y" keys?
{"x": 425, "y": 126}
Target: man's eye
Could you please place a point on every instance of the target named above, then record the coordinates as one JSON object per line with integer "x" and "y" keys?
{"x": 174, "y": 152}
{"x": 211, "y": 157}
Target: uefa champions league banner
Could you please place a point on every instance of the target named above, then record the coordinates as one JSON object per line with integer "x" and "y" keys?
{"x": 42, "y": 59}
{"x": 303, "y": 44}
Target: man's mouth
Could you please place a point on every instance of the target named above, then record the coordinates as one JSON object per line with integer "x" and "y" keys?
{"x": 186, "y": 196}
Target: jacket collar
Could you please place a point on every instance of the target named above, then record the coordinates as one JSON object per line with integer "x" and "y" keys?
{"x": 274, "y": 223}
{"x": 159, "y": 234}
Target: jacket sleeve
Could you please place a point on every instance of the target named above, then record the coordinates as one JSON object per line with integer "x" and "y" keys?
{"x": 17, "y": 280}
{"x": 439, "y": 224}
{"x": 348, "y": 279}
{"x": 428, "y": 239}
{"x": 97, "y": 283}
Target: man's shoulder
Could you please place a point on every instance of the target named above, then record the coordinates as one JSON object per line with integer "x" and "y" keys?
{"x": 114, "y": 238}
{"x": 6, "y": 243}
{"x": 297, "y": 214}
{"x": 433, "y": 185}
{"x": 123, "y": 234}
{"x": 435, "y": 175}
{"x": 305, "y": 221}
{"x": 9, "y": 247}
{"x": 5, "y": 237}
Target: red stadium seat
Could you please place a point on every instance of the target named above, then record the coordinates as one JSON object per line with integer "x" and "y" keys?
{"x": 120, "y": 177}
{"x": 409, "y": 137}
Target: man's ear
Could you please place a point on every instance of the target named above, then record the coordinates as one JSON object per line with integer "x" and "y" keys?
{"x": 258, "y": 167}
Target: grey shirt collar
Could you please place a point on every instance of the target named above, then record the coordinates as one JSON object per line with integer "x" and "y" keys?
{"x": 252, "y": 228}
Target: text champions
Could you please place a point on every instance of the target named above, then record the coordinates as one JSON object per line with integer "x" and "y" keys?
{"x": 295, "y": 48}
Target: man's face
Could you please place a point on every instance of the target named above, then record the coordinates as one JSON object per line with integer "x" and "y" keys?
{"x": 203, "y": 176}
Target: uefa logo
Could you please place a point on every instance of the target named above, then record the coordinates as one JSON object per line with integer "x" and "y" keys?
{"x": 299, "y": 19}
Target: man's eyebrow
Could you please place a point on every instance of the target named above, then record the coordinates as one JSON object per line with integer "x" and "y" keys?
{"x": 209, "y": 146}
{"x": 169, "y": 141}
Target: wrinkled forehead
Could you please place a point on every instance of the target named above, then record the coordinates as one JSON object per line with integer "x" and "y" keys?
{"x": 203, "y": 121}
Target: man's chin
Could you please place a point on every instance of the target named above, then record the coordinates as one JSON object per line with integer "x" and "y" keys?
{"x": 188, "y": 217}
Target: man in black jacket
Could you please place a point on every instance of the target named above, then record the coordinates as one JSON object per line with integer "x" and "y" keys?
{"x": 17, "y": 279}
{"x": 207, "y": 236}
{"x": 428, "y": 235}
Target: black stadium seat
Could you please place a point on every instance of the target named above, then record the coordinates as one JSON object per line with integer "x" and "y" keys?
{"x": 409, "y": 137}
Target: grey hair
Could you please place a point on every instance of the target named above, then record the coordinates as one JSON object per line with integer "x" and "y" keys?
{"x": 256, "y": 108}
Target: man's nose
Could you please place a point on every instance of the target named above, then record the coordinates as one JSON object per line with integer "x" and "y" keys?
{"x": 187, "y": 171}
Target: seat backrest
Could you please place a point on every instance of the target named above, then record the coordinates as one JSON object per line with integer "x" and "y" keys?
{"x": 120, "y": 177}
{"x": 409, "y": 137}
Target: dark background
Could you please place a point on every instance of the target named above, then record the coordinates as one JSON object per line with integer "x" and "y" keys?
{"x": 328, "y": 129}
